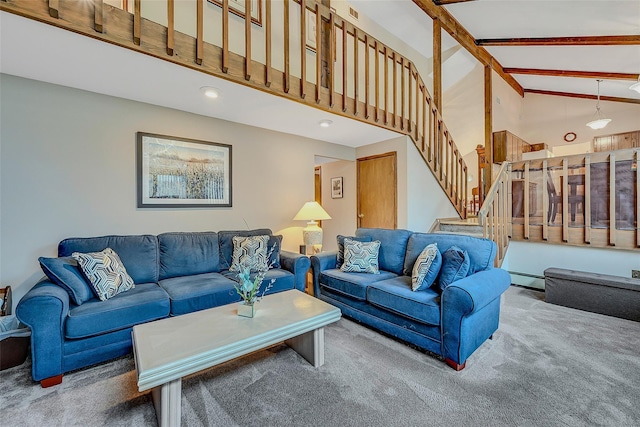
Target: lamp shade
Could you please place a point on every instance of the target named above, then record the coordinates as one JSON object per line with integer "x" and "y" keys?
{"x": 311, "y": 211}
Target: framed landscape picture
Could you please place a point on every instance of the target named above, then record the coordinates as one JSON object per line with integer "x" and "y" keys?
{"x": 336, "y": 188}
{"x": 177, "y": 172}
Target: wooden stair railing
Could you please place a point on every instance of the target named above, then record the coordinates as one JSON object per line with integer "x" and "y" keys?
{"x": 495, "y": 214}
{"x": 368, "y": 80}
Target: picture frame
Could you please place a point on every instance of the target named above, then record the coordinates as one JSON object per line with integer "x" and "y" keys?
{"x": 311, "y": 31}
{"x": 237, "y": 7}
{"x": 173, "y": 172}
{"x": 336, "y": 187}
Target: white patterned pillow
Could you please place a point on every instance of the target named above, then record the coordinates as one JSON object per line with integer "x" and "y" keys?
{"x": 251, "y": 252}
{"x": 426, "y": 268}
{"x": 105, "y": 272}
{"x": 360, "y": 257}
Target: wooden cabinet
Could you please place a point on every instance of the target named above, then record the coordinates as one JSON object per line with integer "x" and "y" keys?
{"x": 619, "y": 141}
{"x": 508, "y": 147}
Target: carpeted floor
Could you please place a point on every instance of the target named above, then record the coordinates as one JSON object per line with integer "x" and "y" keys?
{"x": 546, "y": 366}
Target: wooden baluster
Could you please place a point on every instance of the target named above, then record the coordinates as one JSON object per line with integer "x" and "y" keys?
{"x": 565, "y": 201}
{"x": 98, "y": 23}
{"x": 319, "y": 49}
{"x": 303, "y": 47}
{"x": 344, "y": 65}
{"x": 395, "y": 90}
{"x": 287, "y": 54}
{"x": 356, "y": 75}
{"x": 525, "y": 195}
{"x": 377, "y": 81}
{"x": 402, "y": 92}
{"x": 136, "y": 22}
{"x": 225, "y": 36}
{"x": 386, "y": 86}
{"x": 332, "y": 59}
{"x": 587, "y": 199}
{"x": 247, "y": 39}
{"x": 199, "y": 31}
{"x": 425, "y": 106}
{"x": 612, "y": 199}
{"x": 366, "y": 76}
{"x": 54, "y": 8}
{"x": 170, "y": 27}
{"x": 267, "y": 41}
{"x": 465, "y": 173}
{"x": 545, "y": 202}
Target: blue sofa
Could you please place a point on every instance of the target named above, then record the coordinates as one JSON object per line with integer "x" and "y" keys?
{"x": 452, "y": 323}
{"x": 174, "y": 274}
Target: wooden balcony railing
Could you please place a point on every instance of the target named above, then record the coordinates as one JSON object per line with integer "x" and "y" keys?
{"x": 583, "y": 200}
{"x": 493, "y": 216}
{"x": 332, "y": 65}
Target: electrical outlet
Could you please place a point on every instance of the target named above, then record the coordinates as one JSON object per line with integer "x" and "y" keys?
{"x": 635, "y": 274}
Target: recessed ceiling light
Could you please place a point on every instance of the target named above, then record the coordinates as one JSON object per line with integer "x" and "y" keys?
{"x": 325, "y": 123}
{"x": 210, "y": 92}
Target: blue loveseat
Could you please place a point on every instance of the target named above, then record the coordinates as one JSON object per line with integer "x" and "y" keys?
{"x": 452, "y": 323}
{"x": 174, "y": 274}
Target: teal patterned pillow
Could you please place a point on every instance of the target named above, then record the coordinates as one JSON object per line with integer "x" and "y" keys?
{"x": 250, "y": 252}
{"x": 360, "y": 257}
{"x": 426, "y": 269}
{"x": 340, "y": 238}
{"x": 105, "y": 272}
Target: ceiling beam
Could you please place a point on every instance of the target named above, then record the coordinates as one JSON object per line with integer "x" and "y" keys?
{"x": 583, "y": 96}
{"x": 445, "y": 2}
{"x": 567, "y": 73}
{"x": 462, "y": 36}
{"x": 562, "y": 41}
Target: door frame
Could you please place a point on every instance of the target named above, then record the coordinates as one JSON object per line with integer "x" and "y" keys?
{"x": 393, "y": 154}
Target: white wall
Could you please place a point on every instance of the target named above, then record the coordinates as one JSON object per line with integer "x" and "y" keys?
{"x": 67, "y": 168}
{"x": 343, "y": 211}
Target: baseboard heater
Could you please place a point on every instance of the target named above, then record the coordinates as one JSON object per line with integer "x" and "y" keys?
{"x": 527, "y": 280}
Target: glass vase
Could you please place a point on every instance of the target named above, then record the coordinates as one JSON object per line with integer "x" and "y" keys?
{"x": 246, "y": 309}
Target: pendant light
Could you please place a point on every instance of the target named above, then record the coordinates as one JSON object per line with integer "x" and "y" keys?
{"x": 597, "y": 121}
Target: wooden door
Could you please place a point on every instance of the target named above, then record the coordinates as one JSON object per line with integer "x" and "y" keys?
{"x": 377, "y": 191}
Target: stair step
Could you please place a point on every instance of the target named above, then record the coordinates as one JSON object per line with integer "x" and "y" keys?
{"x": 480, "y": 235}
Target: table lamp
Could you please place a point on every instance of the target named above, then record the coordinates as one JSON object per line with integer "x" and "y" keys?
{"x": 312, "y": 234}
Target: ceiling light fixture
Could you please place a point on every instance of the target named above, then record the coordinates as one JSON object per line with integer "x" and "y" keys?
{"x": 210, "y": 92}
{"x": 597, "y": 121}
{"x": 325, "y": 123}
{"x": 636, "y": 85}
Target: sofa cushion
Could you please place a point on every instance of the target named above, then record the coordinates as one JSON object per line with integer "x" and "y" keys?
{"x": 340, "y": 239}
{"x": 182, "y": 254}
{"x": 144, "y": 303}
{"x": 396, "y": 295}
{"x": 393, "y": 245}
{"x": 66, "y": 273}
{"x": 105, "y": 272}
{"x": 273, "y": 247}
{"x": 353, "y": 285}
{"x": 482, "y": 252}
{"x": 426, "y": 268}
{"x": 455, "y": 266}
{"x": 360, "y": 257}
{"x": 251, "y": 253}
{"x": 225, "y": 242}
{"x": 138, "y": 253}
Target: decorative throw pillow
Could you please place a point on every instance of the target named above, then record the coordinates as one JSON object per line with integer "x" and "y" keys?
{"x": 340, "y": 238}
{"x": 66, "y": 273}
{"x": 455, "y": 266}
{"x": 105, "y": 273}
{"x": 360, "y": 257}
{"x": 273, "y": 248}
{"x": 250, "y": 252}
{"x": 426, "y": 269}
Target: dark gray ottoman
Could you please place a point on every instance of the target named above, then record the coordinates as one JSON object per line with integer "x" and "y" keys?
{"x": 598, "y": 293}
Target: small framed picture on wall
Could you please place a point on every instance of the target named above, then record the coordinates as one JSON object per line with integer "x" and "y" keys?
{"x": 336, "y": 188}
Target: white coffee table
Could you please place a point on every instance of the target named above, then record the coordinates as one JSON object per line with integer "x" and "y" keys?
{"x": 167, "y": 350}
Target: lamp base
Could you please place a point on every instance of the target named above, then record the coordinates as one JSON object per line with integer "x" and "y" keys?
{"x": 312, "y": 237}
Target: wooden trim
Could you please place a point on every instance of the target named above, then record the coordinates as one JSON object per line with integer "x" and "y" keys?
{"x": 247, "y": 40}
{"x": 437, "y": 64}
{"x": 402, "y": 92}
{"x": 136, "y": 22}
{"x": 356, "y": 76}
{"x": 377, "y": 82}
{"x": 445, "y": 2}
{"x": 344, "y": 66}
{"x": 170, "y": 27}
{"x": 332, "y": 59}
{"x": 488, "y": 124}
{"x": 225, "y": 36}
{"x": 200, "y": 31}
{"x": 287, "y": 54}
{"x": 395, "y": 88}
{"x": 54, "y": 8}
{"x": 319, "y": 52}
{"x": 410, "y": 96}
{"x": 267, "y": 41}
{"x": 567, "y": 73}
{"x": 98, "y": 19}
{"x": 303, "y": 47}
{"x": 367, "y": 72}
{"x": 562, "y": 41}
{"x": 583, "y": 96}
{"x": 386, "y": 86}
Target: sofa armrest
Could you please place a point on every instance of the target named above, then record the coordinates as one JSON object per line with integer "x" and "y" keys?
{"x": 465, "y": 322}
{"x": 298, "y": 265}
{"x": 44, "y": 309}
{"x": 320, "y": 262}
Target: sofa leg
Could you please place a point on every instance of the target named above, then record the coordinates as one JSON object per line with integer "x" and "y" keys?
{"x": 491, "y": 337}
{"x": 454, "y": 365}
{"x": 51, "y": 381}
